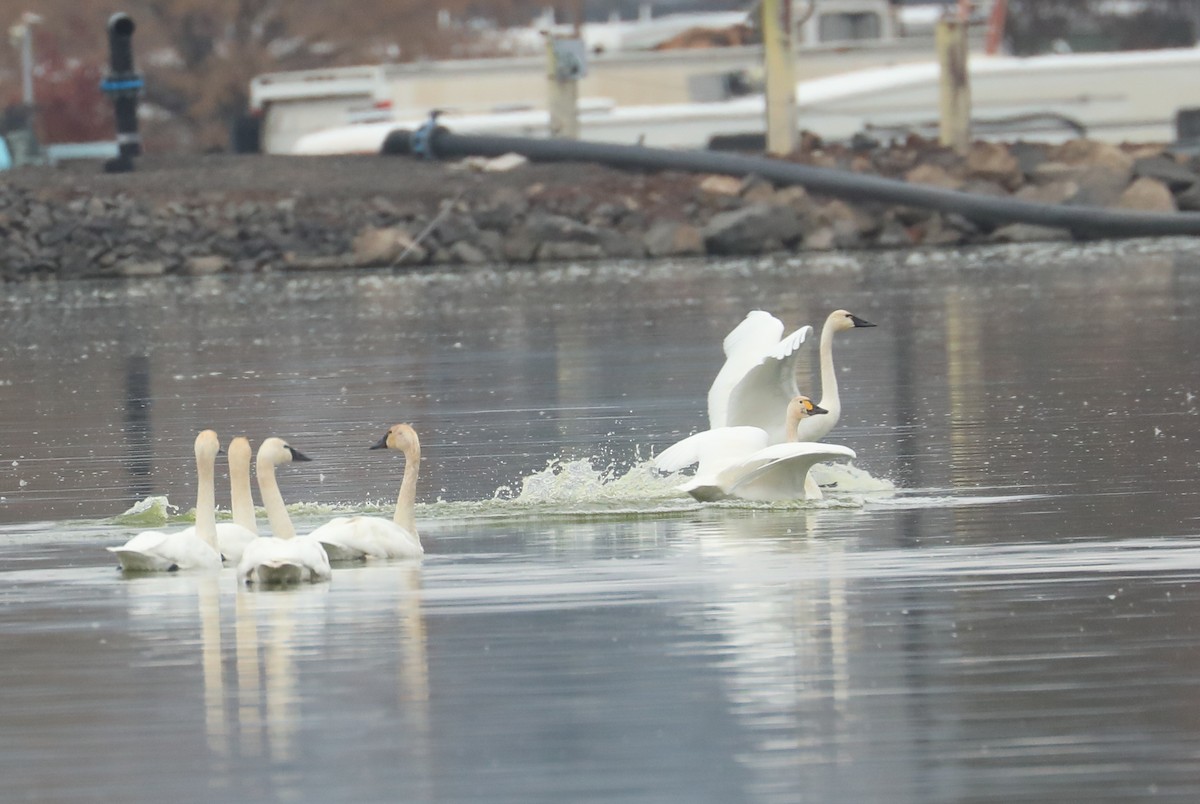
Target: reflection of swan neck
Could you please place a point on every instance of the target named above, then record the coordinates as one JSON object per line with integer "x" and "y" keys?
{"x": 240, "y": 497}
{"x": 206, "y": 499}
{"x": 277, "y": 515}
{"x": 829, "y": 385}
{"x": 407, "y": 498}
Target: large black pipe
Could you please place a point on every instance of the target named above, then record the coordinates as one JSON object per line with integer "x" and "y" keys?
{"x": 1081, "y": 221}
{"x": 124, "y": 86}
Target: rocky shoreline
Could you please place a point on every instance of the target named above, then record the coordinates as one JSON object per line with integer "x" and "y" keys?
{"x": 206, "y": 215}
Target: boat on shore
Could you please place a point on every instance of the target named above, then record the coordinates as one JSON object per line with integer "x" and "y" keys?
{"x": 1131, "y": 96}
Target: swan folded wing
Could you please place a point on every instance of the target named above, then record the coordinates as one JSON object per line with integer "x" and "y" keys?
{"x": 760, "y": 398}
{"x": 268, "y": 559}
{"x": 232, "y": 539}
{"x": 758, "y": 333}
{"x": 154, "y": 551}
{"x": 712, "y": 449}
{"x": 361, "y": 537}
{"x": 779, "y": 471}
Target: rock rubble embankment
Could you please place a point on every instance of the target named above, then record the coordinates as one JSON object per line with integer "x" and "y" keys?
{"x": 206, "y": 215}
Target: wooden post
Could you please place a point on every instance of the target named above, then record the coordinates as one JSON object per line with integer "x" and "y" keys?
{"x": 955, "y": 102}
{"x": 564, "y": 68}
{"x": 779, "y": 66}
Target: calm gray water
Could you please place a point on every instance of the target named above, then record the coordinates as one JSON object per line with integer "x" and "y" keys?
{"x": 1001, "y": 605}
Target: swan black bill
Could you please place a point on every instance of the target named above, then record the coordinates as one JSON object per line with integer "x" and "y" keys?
{"x": 816, "y": 409}
{"x": 860, "y": 322}
{"x": 297, "y": 455}
{"x": 380, "y": 444}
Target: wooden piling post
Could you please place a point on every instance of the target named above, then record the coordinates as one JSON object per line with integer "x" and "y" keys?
{"x": 779, "y": 67}
{"x": 565, "y": 65}
{"x": 955, "y": 101}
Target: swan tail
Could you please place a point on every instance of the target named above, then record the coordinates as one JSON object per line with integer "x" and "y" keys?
{"x": 278, "y": 573}
{"x": 136, "y": 561}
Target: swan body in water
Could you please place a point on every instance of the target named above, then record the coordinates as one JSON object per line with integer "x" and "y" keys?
{"x": 740, "y": 462}
{"x": 232, "y": 537}
{"x": 284, "y": 557}
{"x": 353, "y": 538}
{"x": 193, "y": 548}
{"x": 758, "y": 380}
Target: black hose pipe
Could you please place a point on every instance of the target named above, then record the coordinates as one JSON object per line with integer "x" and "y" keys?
{"x": 1084, "y": 222}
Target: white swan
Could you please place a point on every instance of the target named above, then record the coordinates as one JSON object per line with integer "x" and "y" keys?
{"x": 192, "y": 548}
{"x": 351, "y": 538}
{"x": 232, "y": 537}
{"x": 284, "y": 557}
{"x": 740, "y": 462}
{"x": 758, "y": 379}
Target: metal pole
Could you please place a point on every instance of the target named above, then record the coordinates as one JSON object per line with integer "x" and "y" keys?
{"x": 124, "y": 86}
{"x": 780, "y": 70}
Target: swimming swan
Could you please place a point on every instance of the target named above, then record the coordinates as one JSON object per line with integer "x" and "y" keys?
{"x": 192, "y": 548}
{"x": 758, "y": 380}
{"x": 351, "y": 538}
{"x": 740, "y": 462}
{"x": 284, "y": 557}
{"x": 232, "y": 537}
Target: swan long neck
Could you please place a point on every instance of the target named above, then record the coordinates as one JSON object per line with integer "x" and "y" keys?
{"x": 277, "y": 515}
{"x": 240, "y": 497}
{"x": 407, "y": 498}
{"x": 791, "y": 427}
{"x": 829, "y": 385}
{"x": 206, "y": 501}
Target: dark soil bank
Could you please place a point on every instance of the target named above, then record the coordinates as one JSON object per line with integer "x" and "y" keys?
{"x": 201, "y": 215}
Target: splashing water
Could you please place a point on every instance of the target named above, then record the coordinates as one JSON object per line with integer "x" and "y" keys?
{"x": 150, "y": 512}
{"x": 572, "y": 489}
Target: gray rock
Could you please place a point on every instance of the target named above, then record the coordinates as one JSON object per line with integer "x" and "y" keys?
{"x": 566, "y": 250}
{"x": 1147, "y": 195}
{"x": 546, "y": 227}
{"x": 520, "y": 245}
{"x": 893, "y": 235}
{"x": 673, "y": 239}
{"x": 621, "y": 247}
{"x": 205, "y": 265}
{"x": 468, "y": 253}
{"x": 141, "y": 268}
{"x": 1027, "y": 233}
{"x": 1176, "y": 176}
{"x": 755, "y": 229}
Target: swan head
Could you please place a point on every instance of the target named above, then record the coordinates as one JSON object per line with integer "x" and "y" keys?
{"x": 801, "y": 407}
{"x": 399, "y": 436}
{"x": 276, "y": 451}
{"x": 844, "y": 319}
{"x": 207, "y": 445}
{"x": 239, "y": 450}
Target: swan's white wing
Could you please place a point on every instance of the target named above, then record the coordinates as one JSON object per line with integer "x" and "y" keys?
{"x": 712, "y": 449}
{"x": 268, "y": 560}
{"x": 760, "y": 398}
{"x": 779, "y": 471}
{"x": 758, "y": 333}
{"x": 154, "y": 551}
{"x": 232, "y": 539}
{"x": 351, "y": 538}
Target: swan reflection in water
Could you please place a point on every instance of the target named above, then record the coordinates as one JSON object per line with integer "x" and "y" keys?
{"x": 263, "y": 660}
